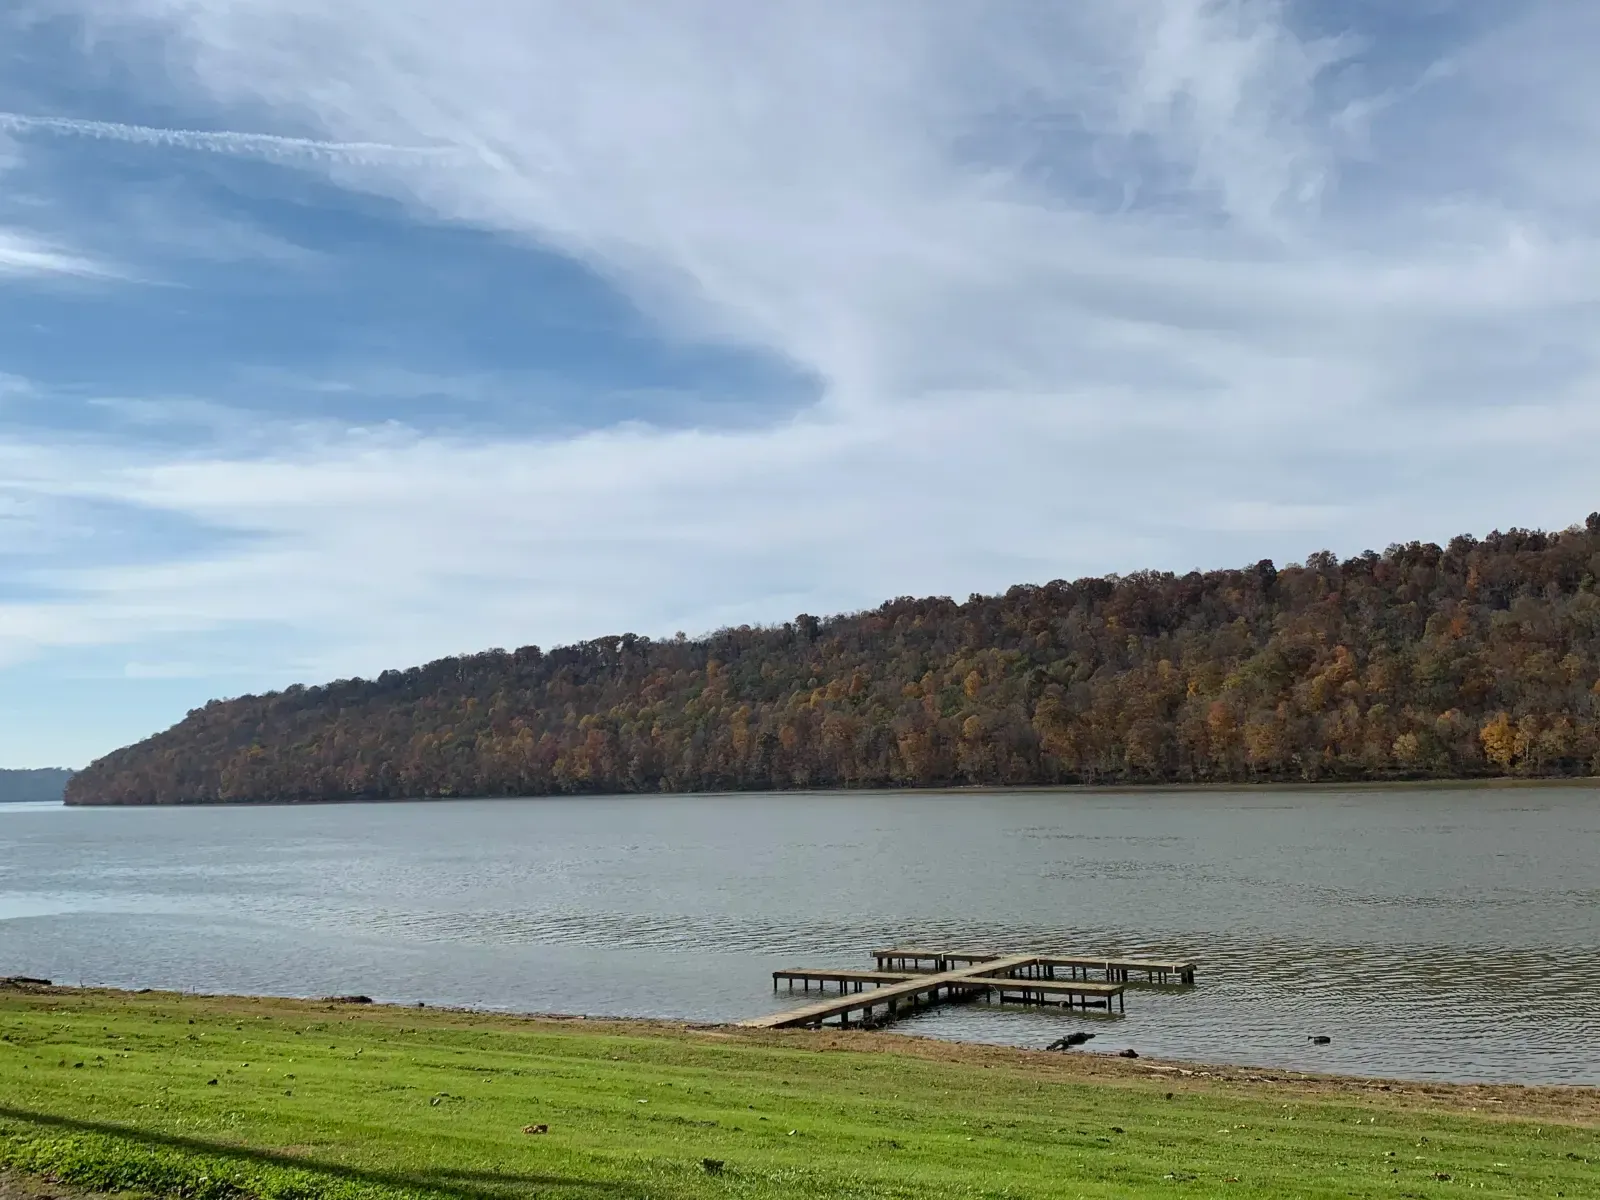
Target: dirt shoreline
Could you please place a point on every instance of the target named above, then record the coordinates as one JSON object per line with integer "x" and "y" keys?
{"x": 1573, "y": 1104}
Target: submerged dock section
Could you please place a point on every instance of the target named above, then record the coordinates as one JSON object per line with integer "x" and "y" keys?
{"x": 911, "y": 978}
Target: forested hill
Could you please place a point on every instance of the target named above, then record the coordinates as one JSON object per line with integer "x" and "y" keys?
{"x": 1480, "y": 658}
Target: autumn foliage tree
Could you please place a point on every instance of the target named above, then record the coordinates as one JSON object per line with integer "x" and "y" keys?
{"x": 1477, "y": 658}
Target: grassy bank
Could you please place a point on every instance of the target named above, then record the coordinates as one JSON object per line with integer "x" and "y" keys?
{"x": 212, "y": 1098}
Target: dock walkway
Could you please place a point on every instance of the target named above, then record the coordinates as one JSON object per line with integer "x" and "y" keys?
{"x": 1113, "y": 970}
{"x": 1121, "y": 970}
{"x": 912, "y": 977}
{"x": 908, "y": 992}
{"x": 1028, "y": 987}
{"x": 843, "y": 978}
{"x": 1054, "y": 991}
{"x": 913, "y": 958}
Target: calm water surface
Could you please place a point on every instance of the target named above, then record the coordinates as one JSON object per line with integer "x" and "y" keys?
{"x": 1447, "y": 934}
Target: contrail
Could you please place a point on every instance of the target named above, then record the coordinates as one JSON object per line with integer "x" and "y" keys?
{"x": 270, "y": 147}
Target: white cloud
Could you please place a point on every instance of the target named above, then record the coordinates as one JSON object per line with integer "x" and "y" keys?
{"x": 1087, "y": 287}
{"x": 22, "y": 253}
{"x": 13, "y": 386}
{"x": 268, "y": 147}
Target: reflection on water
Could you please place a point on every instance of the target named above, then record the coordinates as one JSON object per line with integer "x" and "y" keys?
{"x": 1447, "y": 934}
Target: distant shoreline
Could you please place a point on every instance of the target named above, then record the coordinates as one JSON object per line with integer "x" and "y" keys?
{"x": 34, "y": 785}
{"x": 1486, "y": 783}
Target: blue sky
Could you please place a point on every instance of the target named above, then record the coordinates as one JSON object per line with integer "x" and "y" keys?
{"x": 338, "y": 335}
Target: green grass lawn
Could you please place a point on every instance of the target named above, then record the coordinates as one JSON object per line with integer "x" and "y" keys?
{"x": 220, "y": 1097}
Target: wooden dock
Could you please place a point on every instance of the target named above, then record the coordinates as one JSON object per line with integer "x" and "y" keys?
{"x": 1055, "y": 991}
{"x": 913, "y": 977}
{"x": 1112, "y": 970}
{"x": 1030, "y": 987}
{"x": 916, "y": 959}
{"x": 894, "y": 998}
{"x": 843, "y": 979}
{"x": 1121, "y": 970}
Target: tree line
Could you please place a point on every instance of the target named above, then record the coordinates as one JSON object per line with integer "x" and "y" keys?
{"x": 1479, "y": 658}
{"x": 35, "y": 786}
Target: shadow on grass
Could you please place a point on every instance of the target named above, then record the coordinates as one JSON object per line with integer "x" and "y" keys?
{"x": 442, "y": 1181}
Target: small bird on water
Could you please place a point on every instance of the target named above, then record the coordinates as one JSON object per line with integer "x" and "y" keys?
{"x": 1068, "y": 1042}
{"x": 1319, "y": 1039}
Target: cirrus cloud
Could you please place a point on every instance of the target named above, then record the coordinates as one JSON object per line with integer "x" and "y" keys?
{"x": 1081, "y": 287}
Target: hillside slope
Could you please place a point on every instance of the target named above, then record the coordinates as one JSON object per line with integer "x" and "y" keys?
{"x": 1479, "y": 658}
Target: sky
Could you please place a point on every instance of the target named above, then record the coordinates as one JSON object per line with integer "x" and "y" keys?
{"x": 340, "y": 335}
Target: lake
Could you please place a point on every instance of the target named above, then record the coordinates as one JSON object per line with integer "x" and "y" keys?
{"x": 1448, "y": 933}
